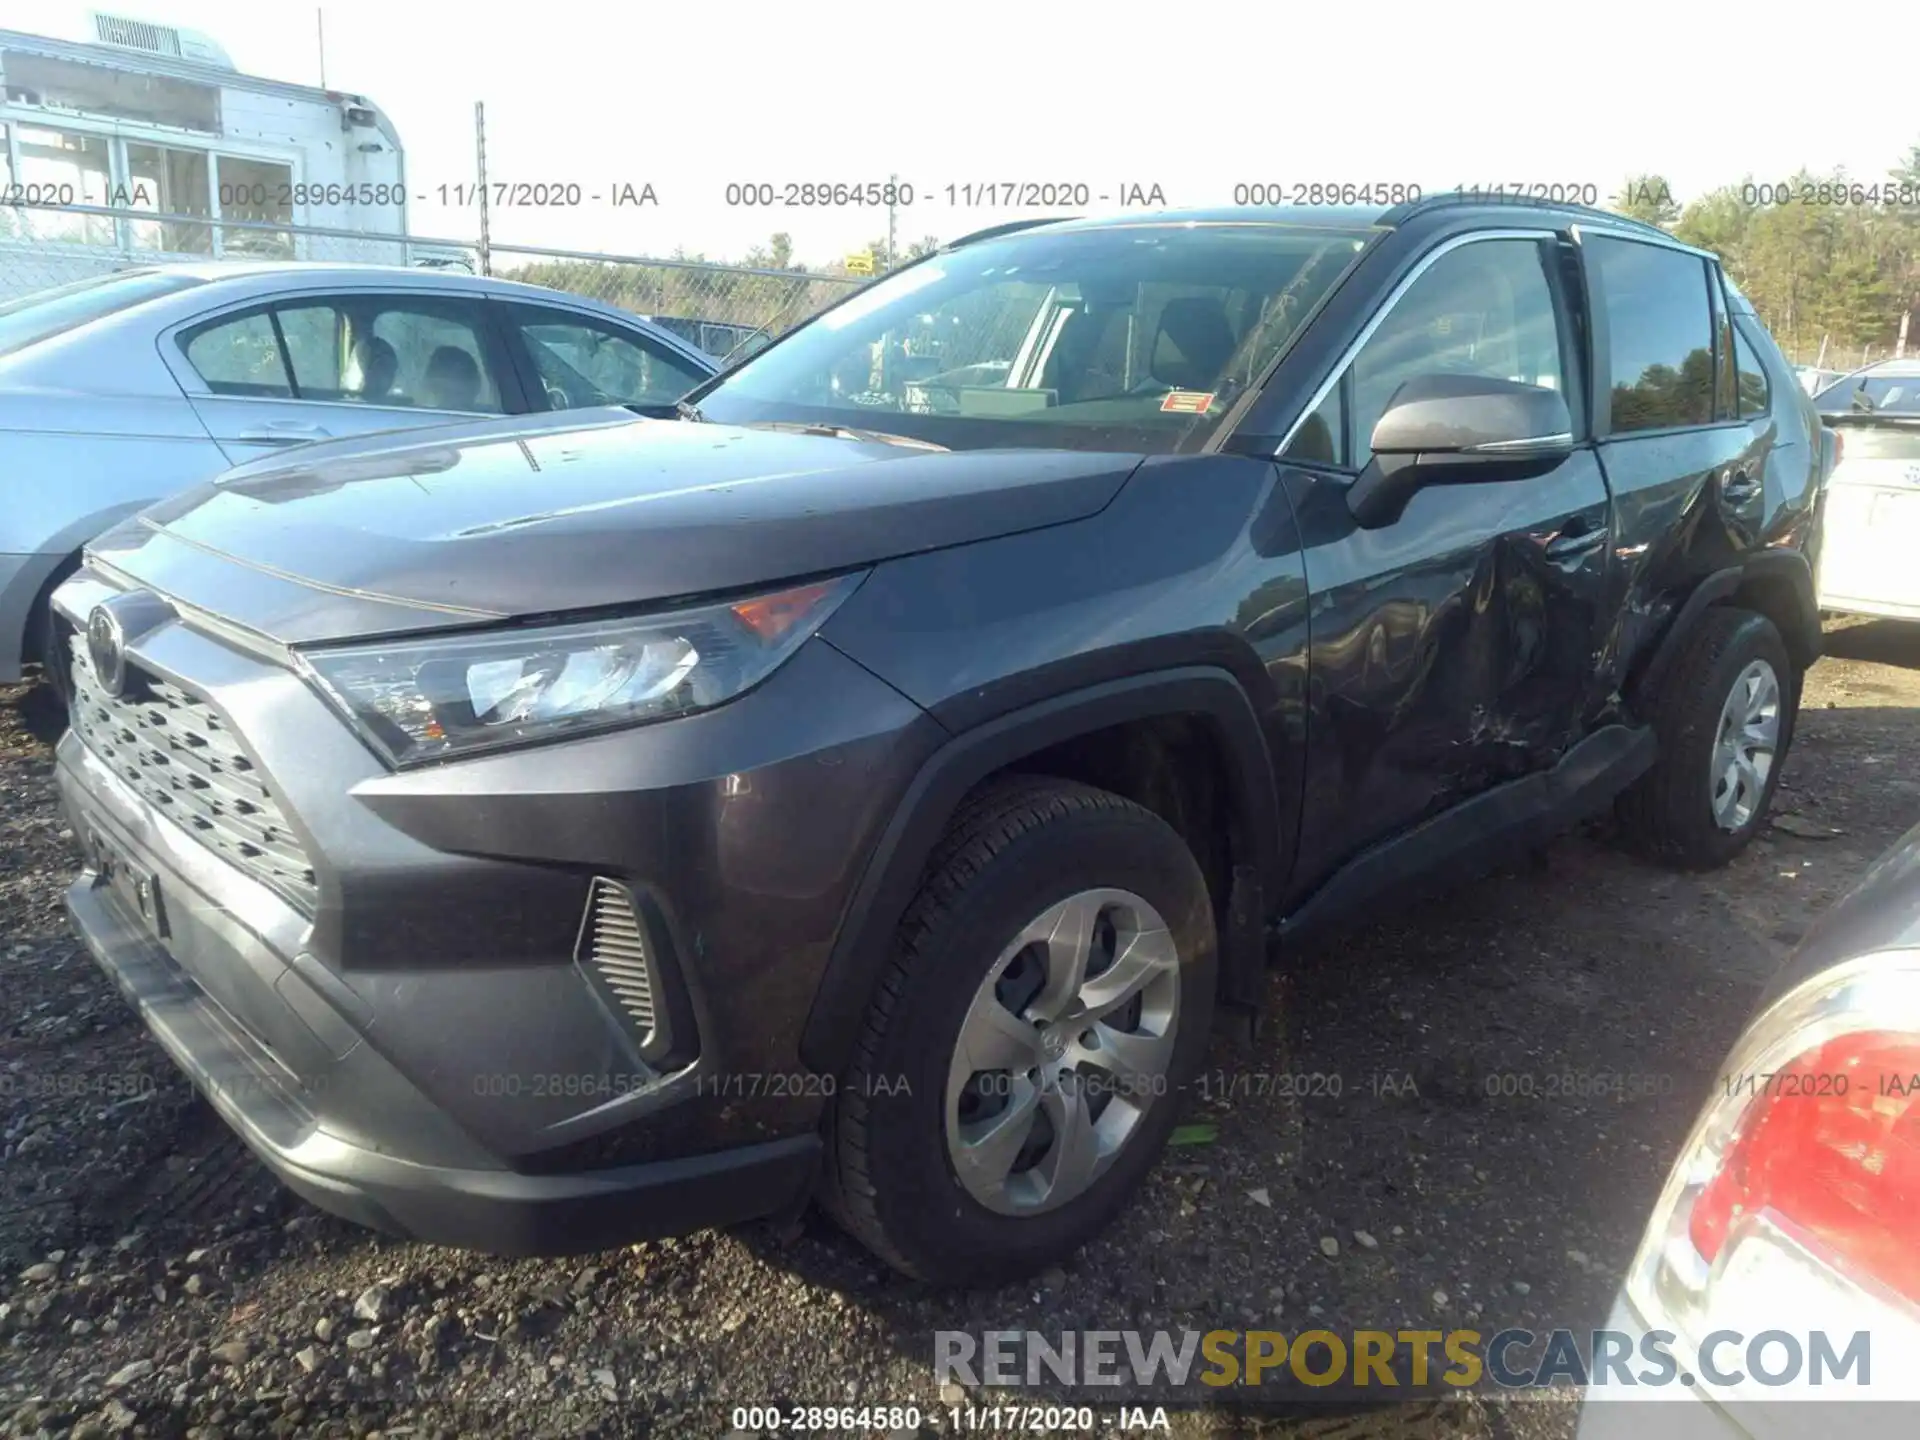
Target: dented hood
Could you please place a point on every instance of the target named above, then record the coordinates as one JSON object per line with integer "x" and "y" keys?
{"x": 496, "y": 519}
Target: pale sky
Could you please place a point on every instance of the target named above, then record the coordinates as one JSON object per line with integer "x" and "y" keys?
{"x": 1194, "y": 98}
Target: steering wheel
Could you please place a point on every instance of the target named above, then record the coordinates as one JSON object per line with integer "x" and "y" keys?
{"x": 558, "y": 399}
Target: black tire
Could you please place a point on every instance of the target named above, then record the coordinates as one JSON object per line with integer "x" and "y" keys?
{"x": 42, "y": 634}
{"x": 1014, "y": 849}
{"x": 1667, "y": 815}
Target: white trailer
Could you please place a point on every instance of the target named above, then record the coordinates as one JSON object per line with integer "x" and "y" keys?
{"x": 154, "y": 122}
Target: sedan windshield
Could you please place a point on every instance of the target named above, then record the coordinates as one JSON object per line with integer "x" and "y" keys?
{"x": 45, "y": 313}
{"x": 1121, "y": 336}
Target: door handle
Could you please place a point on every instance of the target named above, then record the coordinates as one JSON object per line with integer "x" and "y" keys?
{"x": 286, "y": 432}
{"x": 1576, "y": 545}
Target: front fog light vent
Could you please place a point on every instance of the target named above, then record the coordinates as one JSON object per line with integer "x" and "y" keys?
{"x": 613, "y": 953}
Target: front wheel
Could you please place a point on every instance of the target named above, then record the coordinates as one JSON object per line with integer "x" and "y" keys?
{"x": 1724, "y": 714}
{"x": 1021, "y": 1064}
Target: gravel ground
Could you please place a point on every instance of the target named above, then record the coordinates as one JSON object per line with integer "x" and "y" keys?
{"x": 154, "y": 1279}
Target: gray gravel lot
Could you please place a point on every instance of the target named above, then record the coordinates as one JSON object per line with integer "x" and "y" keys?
{"x": 153, "y": 1279}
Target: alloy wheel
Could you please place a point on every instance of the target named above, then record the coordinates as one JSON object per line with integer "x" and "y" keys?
{"x": 1745, "y": 746}
{"x": 1067, "y": 1044}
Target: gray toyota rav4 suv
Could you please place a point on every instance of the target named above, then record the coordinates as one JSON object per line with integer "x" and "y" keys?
{"x": 872, "y": 781}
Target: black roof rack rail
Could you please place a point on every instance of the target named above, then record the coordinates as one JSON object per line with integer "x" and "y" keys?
{"x": 1445, "y": 199}
{"x": 994, "y": 232}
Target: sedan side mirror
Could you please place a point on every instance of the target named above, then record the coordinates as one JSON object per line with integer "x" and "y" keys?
{"x": 1453, "y": 429}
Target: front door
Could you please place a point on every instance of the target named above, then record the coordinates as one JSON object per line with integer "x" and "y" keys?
{"x": 1451, "y": 649}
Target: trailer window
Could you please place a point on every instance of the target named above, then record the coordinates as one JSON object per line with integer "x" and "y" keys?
{"x": 261, "y": 191}
{"x": 107, "y": 90}
{"x": 73, "y": 170}
{"x": 166, "y": 181}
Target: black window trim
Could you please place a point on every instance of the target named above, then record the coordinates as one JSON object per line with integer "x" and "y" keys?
{"x": 1343, "y": 366}
{"x": 1603, "y": 431}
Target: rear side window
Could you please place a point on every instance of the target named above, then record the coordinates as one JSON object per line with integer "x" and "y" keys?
{"x": 1755, "y": 393}
{"x": 387, "y": 350}
{"x": 240, "y": 357}
{"x": 1659, "y": 334}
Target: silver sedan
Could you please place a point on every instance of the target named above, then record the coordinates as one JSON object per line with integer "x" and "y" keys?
{"x": 121, "y": 389}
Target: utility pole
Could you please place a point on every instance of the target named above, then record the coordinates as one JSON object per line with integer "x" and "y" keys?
{"x": 1900, "y": 345}
{"x": 320, "y": 28}
{"x": 480, "y": 151}
{"x": 893, "y": 192}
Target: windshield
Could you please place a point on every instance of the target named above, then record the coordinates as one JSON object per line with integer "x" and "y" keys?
{"x": 1132, "y": 337}
{"x": 1872, "y": 395}
{"x": 46, "y": 313}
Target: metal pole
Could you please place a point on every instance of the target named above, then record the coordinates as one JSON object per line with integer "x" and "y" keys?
{"x": 320, "y": 28}
{"x": 480, "y": 150}
{"x": 893, "y": 187}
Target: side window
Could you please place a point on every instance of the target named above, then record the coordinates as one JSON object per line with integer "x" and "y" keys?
{"x": 439, "y": 362}
{"x": 1659, "y": 332}
{"x": 1725, "y": 406}
{"x": 1322, "y": 438}
{"x": 1755, "y": 394}
{"x": 1483, "y": 309}
{"x": 240, "y": 356}
{"x": 313, "y": 335}
{"x": 583, "y": 362}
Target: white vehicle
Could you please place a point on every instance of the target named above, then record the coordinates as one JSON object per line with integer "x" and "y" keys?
{"x": 153, "y": 120}
{"x": 1872, "y": 525}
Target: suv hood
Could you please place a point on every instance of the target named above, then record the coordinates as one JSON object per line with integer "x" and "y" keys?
{"x": 527, "y": 516}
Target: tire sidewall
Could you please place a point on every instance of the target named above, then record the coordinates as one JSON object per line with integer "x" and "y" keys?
{"x": 918, "y": 1196}
{"x": 1755, "y": 638}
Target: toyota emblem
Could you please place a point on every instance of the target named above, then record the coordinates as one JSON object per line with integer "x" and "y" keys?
{"x": 113, "y": 625}
{"x": 107, "y": 649}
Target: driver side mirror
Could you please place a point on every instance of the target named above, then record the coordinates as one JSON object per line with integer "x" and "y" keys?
{"x": 1458, "y": 429}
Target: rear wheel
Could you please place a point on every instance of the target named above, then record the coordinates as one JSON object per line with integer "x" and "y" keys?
{"x": 1020, "y": 1067}
{"x": 1724, "y": 714}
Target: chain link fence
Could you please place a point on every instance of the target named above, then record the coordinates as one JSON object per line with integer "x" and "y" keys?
{"x": 720, "y": 308}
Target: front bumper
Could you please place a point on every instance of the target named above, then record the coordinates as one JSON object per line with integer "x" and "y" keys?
{"x": 419, "y": 1049}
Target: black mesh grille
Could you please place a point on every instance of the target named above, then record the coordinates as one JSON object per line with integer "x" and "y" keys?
{"x": 177, "y": 754}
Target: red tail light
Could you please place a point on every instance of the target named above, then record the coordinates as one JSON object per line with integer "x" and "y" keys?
{"x": 1831, "y": 1143}
{"x": 1796, "y": 1198}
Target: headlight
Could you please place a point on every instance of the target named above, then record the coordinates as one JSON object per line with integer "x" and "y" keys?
{"x": 445, "y": 695}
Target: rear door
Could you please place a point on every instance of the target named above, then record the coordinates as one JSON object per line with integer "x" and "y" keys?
{"x": 1686, "y": 460}
{"x": 310, "y": 367}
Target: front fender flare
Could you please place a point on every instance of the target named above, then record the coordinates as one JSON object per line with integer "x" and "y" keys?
{"x": 864, "y": 944}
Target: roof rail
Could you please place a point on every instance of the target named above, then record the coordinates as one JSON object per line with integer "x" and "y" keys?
{"x": 994, "y": 232}
{"x": 1445, "y": 199}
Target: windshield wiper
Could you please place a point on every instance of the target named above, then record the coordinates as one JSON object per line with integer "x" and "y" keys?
{"x": 688, "y": 412}
{"x": 844, "y": 432}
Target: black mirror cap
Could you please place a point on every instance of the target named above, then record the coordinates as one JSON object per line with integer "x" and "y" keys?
{"x": 1472, "y": 415}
